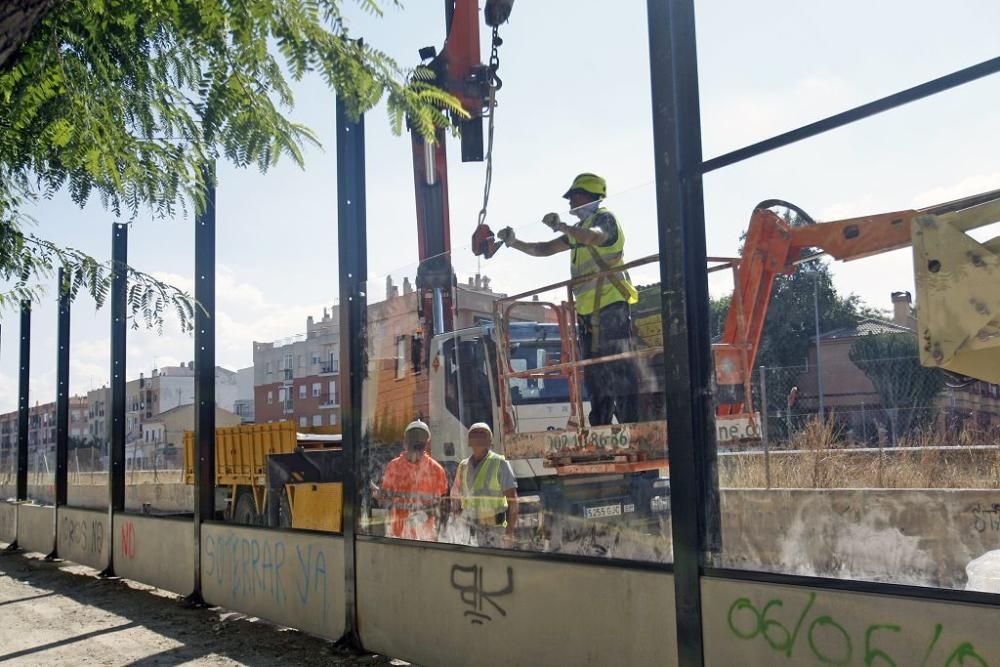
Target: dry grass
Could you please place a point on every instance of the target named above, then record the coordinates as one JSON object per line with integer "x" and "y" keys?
{"x": 821, "y": 459}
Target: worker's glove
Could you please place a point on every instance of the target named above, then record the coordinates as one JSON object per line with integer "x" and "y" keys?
{"x": 507, "y": 236}
{"x": 552, "y": 221}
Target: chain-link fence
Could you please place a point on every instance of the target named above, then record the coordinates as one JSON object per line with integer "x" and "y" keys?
{"x": 876, "y": 402}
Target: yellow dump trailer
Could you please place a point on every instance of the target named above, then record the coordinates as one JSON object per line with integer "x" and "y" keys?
{"x": 276, "y": 475}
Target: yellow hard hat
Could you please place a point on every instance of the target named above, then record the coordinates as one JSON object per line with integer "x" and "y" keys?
{"x": 591, "y": 183}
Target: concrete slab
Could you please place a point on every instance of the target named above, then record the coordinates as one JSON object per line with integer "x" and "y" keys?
{"x": 8, "y": 522}
{"x": 749, "y": 623}
{"x": 156, "y": 551}
{"x": 288, "y": 577}
{"x": 36, "y": 528}
{"x": 497, "y": 610}
{"x": 84, "y": 537}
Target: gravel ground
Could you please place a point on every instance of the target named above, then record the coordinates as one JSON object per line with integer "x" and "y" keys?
{"x": 58, "y": 613}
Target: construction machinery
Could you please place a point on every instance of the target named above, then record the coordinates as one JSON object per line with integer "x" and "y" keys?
{"x": 501, "y": 371}
{"x": 525, "y": 379}
{"x": 276, "y": 475}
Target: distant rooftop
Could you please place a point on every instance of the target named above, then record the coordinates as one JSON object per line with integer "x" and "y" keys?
{"x": 866, "y": 327}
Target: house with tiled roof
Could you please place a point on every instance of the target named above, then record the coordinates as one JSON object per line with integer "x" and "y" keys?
{"x": 848, "y": 393}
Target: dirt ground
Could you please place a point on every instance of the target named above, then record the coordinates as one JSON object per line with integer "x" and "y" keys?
{"x": 63, "y": 614}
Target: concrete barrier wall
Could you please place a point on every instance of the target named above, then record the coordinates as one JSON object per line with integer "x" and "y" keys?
{"x": 84, "y": 537}
{"x": 292, "y": 578}
{"x": 922, "y": 537}
{"x": 8, "y": 522}
{"x": 768, "y": 624}
{"x": 161, "y": 496}
{"x": 43, "y": 494}
{"x": 36, "y": 528}
{"x": 443, "y": 607}
{"x": 156, "y": 551}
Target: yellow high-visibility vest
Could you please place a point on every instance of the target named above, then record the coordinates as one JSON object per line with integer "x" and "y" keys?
{"x": 484, "y": 499}
{"x": 591, "y": 295}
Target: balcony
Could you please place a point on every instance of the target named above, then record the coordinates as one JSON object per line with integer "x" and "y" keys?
{"x": 326, "y": 401}
{"x": 330, "y": 368}
{"x": 286, "y": 375}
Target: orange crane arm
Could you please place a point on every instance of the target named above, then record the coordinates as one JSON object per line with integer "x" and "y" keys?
{"x": 774, "y": 247}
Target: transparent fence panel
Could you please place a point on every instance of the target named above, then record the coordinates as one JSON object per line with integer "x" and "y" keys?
{"x": 572, "y": 402}
{"x": 871, "y": 463}
{"x": 41, "y": 401}
{"x": 90, "y": 404}
{"x": 8, "y": 419}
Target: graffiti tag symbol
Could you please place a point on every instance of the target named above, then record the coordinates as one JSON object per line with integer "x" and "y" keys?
{"x": 128, "y": 540}
{"x": 468, "y": 581}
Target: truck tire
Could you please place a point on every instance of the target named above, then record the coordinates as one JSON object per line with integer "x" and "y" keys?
{"x": 244, "y": 509}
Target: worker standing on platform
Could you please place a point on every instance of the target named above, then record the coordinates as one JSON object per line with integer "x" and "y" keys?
{"x": 604, "y": 318}
{"x": 485, "y": 491}
{"x": 413, "y": 488}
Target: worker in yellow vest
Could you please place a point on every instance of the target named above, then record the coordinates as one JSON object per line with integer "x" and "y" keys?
{"x": 604, "y": 319}
{"x": 484, "y": 493}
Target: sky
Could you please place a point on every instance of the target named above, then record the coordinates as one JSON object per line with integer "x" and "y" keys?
{"x": 575, "y": 98}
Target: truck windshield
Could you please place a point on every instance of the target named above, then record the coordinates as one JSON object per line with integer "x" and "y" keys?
{"x": 537, "y": 354}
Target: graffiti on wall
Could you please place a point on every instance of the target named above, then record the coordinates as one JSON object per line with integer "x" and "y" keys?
{"x": 269, "y": 570}
{"x": 128, "y": 540}
{"x": 469, "y": 581}
{"x": 85, "y": 535}
{"x": 985, "y": 517}
{"x": 798, "y": 634}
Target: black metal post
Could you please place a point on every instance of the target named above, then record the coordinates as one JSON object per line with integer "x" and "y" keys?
{"x": 62, "y": 390}
{"x": 204, "y": 371}
{"x": 22, "y": 402}
{"x": 684, "y": 293}
{"x": 116, "y": 449}
{"x": 352, "y": 258}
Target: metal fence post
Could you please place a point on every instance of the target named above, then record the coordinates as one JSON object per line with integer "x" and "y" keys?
{"x": 763, "y": 426}
{"x": 684, "y": 311}
{"x": 62, "y": 390}
{"x": 62, "y": 402}
{"x": 352, "y": 246}
{"x": 22, "y": 402}
{"x": 204, "y": 370}
{"x": 116, "y": 450}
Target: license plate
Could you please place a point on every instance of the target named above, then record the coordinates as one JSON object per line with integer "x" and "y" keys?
{"x": 602, "y": 511}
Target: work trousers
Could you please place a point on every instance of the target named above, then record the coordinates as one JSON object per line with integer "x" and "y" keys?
{"x": 612, "y": 386}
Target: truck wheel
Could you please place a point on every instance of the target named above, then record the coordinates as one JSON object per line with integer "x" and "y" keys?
{"x": 245, "y": 510}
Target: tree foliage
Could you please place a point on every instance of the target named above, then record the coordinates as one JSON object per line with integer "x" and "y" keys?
{"x": 130, "y": 100}
{"x": 905, "y": 388}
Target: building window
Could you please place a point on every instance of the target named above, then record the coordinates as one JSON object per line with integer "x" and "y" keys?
{"x": 288, "y": 361}
{"x": 302, "y": 391}
{"x": 270, "y": 397}
{"x": 301, "y": 363}
{"x": 333, "y": 393}
{"x": 400, "y": 357}
{"x": 315, "y": 359}
{"x": 281, "y": 394}
{"x": 317, "y": 420}
{"x": 303, "y": 421}
{"x": 333, "y": 419}
{"x": 267, "y": 368}
{"x": 316, "y": 387}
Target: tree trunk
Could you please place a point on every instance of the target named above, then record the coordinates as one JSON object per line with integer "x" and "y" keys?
{"x": 17, "y": 19}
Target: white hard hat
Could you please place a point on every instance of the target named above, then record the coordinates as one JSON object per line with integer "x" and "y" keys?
{"x": 481, "y": 426}
{"x": 416, "y": 424}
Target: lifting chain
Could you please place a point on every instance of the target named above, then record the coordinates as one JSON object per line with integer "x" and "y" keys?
{"x": 495, "y": 84}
